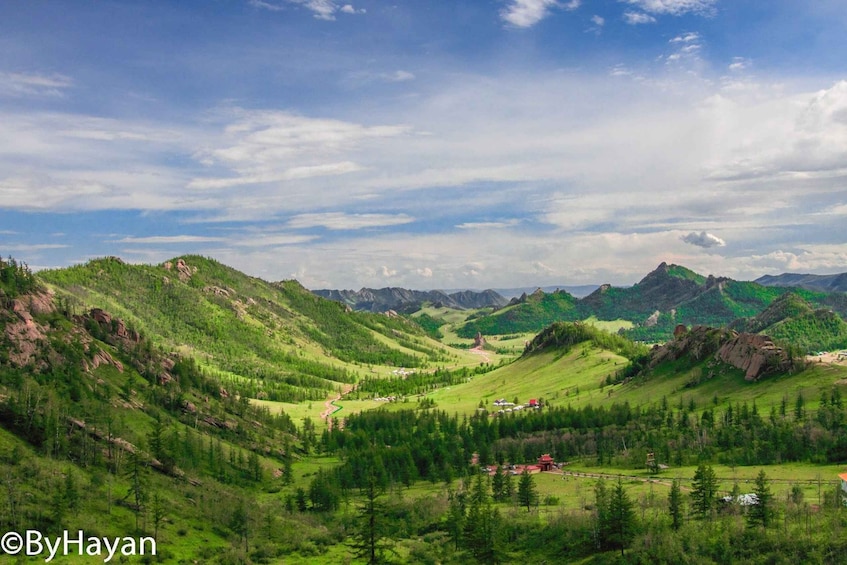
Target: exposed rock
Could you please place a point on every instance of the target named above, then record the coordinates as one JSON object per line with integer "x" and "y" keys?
{"x": 101, "y": 316}
{"x": 218, "y": 291}
{"x": 679, "y": 331}
{"x": 755, "y": 354}
{"x": 184, "y": 272}
{"x": 102, "y": 358}
{"x": 39, "y": 302}
{"x": 653, "y": 319}
{"x": 478, "y": 340}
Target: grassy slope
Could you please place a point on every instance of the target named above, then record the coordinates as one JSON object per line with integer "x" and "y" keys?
{"x": 257, "y": 330}
{"x": 578, "y": 378}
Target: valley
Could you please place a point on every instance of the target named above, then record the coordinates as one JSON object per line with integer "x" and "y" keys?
{"x": 243, "y": 421}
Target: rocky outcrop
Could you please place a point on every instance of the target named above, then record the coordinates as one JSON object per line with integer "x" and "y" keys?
{"x": 479, "y": 341}
{"x": 183, "y": 271}
{"x": 755, "y": 354}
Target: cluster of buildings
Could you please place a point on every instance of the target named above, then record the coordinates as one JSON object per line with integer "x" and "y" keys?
{"x": 545, "y": 463}
{"x": 506, "y": 406}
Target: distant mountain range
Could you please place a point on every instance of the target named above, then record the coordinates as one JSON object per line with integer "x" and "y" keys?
{"x": 824, "y": 283}
{"x": 407, "y": 301}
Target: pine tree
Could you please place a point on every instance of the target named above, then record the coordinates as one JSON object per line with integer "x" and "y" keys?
{"x": 370, "y": 539}
{"x": 704, "y": 490}
{"x": 675, "y": 505}
{"x": 620, "y": 519}
{"x": 527, "y": 493}
{"x": 497, "y": 484}
{"x": 762, "y": 511}
{"x": 482, "y": 524}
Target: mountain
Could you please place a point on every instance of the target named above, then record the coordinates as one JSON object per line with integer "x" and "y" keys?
{"x": 579, "y": 290}
{"x": 823, "y": 283}
{"x": 666, "y": 297}
{"x": 404, "y": 300}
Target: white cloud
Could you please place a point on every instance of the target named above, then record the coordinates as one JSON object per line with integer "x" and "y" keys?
{"x": 33, "y": 84}
{"x": 343, "y": 221}
{"x": 527, "y": 13}
{"x": 424, "y": 272}
{"x": 349, "y": 9}
{"x": 703, "y": 239}
{"x": 169, "y": 239}
{"x": 598, "y": 20}
{"x": 739, "y": 64}
{"x": 675, "y": 7}
{"x": 387, "y": 273}
{"x": 686, "y": 38}
{"x": 321, "y": 9}
{"x": 401, "y": 76}
{"x": 637, "y": 18}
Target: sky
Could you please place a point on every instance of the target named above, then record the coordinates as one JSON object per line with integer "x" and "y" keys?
{"x": 427, "y": 143}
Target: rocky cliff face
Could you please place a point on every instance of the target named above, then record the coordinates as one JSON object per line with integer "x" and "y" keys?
{"x": 755, "y": 354}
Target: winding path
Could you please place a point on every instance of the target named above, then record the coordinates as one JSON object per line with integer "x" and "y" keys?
{"x": 331, "y": 408}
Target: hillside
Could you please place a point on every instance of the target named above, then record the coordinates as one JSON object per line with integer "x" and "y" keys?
{"x": 795, "y": 322}
{"x": 275, "y": 341}
{"x": 102, "y": 431}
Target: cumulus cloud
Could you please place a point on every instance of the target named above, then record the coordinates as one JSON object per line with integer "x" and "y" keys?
{"x": 637, "y": 18}
{"x": 598, "y": 20}
{"x": 703, "y": 239}
{"x": 349, "y": 9}
{"x": 425, "y": 272}
{"x": 527, "y": 13}
{"x": 675, "y": 7}
{"x": 386, "y": 272}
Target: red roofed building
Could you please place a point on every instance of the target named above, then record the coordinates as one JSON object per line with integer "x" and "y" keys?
{"x": 843, "y": 477}
{"x": 545, "y": 462}
{"x": 533, "y": 403}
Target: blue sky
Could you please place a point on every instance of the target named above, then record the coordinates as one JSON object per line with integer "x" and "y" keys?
{"x": 427, "y": 144}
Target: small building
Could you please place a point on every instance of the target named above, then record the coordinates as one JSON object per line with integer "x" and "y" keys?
{"x": 546, "y": 463}
{"x": 533, "y": 403}
{"x": 843, "y": 477}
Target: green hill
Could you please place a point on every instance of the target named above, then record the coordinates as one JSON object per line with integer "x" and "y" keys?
{"x": 793, "y": 321}
{"x": 274, "y": 340}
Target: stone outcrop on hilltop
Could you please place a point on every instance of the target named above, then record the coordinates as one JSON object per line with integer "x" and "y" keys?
{"x": 755, "y": 354}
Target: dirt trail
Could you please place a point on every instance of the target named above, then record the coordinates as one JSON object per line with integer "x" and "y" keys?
{"x": 482, "y": 353}
{"x": 329, "y": 405}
